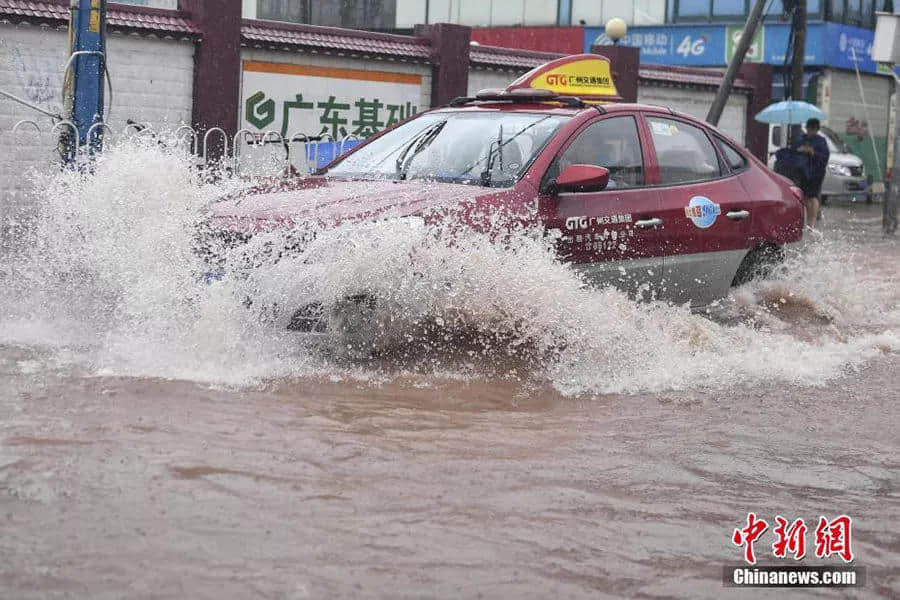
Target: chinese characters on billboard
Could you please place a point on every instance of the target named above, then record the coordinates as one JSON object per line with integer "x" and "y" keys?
{"x": 310, "y": 100}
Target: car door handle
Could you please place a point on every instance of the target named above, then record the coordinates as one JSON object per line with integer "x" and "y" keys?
{"x": 648, "y": 223}
{"x": 738, "y": 215}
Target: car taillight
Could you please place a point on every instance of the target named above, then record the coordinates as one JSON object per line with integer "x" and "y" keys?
{"x": 798, "y": 193}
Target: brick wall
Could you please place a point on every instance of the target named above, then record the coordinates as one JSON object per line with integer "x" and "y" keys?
{"x": 152, "y": 82}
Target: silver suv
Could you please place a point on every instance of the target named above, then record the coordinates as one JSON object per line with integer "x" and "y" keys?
{"x": 846, "y": 174}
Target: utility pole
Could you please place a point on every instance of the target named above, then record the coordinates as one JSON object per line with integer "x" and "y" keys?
{"x": 83, "y": 78}
{"x": 799, "y": 25}
{"x": 889, "y": 220}
{"x": 750, "y": 27}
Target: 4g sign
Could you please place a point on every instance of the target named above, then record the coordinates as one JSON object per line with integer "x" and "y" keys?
{"x": 695, "y": 46}
{"x": 691, "y": 46}
{"x": 700, "y": 45}
{"x": 687, "y": 45}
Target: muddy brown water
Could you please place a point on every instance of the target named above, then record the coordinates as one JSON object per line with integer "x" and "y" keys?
{"x": 425, "y": 487}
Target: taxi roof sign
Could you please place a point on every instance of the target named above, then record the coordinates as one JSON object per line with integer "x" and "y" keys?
{"x": 587, "y": 76}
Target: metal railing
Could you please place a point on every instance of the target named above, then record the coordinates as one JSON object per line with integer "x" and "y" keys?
{"x": 214, "y": 151}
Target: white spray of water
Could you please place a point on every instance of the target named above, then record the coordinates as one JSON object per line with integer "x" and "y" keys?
{"x": 110, "y": 269}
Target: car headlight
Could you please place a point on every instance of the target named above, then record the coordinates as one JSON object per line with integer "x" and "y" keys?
{"x": 836, "y": 169}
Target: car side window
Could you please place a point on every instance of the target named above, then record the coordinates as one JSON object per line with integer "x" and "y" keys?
{"x": 733, "y": 157}
{"x": 613, "y": 143}
{"x": 684, "y": 152}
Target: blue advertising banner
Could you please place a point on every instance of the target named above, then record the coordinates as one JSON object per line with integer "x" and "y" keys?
{"x": 846, "y": 43}
{"x": 827, "y": 44}
{"x": 691, "y": 45}
{"x": 777, "y": 41}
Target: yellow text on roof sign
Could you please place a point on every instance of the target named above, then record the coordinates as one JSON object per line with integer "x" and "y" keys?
{"x": 588, "y": 77}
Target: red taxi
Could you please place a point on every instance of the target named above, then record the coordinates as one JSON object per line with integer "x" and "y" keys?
{"x": 638, "y": 196}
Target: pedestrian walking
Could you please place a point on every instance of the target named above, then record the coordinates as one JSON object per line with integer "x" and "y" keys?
{"x": 815, "y": 148}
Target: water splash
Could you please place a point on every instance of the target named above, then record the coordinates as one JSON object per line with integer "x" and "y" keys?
{"x": 109, "y": 274}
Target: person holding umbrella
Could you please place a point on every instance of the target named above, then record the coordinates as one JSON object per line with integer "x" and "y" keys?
{"x": 815, "y": 148}
{"x": 807, "y": 159}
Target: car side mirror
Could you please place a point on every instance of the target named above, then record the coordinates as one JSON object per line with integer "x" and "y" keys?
{"x": 582, "y": 178}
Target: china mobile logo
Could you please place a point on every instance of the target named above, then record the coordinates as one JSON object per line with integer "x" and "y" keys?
{"x": 831, "y": 537}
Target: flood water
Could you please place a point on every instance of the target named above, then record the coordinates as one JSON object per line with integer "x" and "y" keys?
{"x": 158, "y": 442}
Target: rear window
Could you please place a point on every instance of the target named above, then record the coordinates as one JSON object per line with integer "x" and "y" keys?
{"x": 684, "y": 152}
{"x": 733, "y": 157}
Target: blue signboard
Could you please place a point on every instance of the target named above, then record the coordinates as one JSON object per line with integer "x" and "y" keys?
{"x": 849, "y": 45}
{"x": 827, "y": 44}
{"x": 777, "y": 41}
{"x": 694, "y": 45}
{"x": 325, "y": 152}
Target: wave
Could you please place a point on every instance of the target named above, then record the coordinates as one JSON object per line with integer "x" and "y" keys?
{"x": 108, "y": 274}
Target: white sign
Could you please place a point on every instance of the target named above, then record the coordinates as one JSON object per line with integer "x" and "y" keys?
{"x": 293, "y": 99}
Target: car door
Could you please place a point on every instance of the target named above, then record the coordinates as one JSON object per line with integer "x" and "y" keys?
{"x": 705, "y": 212}
{"x": 609, "y": 234}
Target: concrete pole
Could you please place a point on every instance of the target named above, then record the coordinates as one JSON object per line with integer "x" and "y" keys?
{"x": 718, "y": 105}
{"x": 84, "y": 73}
{"x": 799, "y": 57}
{"x": 892, "y": 197}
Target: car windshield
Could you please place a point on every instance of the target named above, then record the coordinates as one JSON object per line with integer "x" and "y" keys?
{"x": 491, "y": 148}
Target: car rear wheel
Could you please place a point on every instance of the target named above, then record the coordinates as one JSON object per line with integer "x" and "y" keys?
{"x": 759, "y": 263}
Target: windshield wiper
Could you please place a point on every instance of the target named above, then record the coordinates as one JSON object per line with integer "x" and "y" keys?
{"x": 485, "y": 176}
{"x": 499, "y": 148}
{"x": 417, "y": 145}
